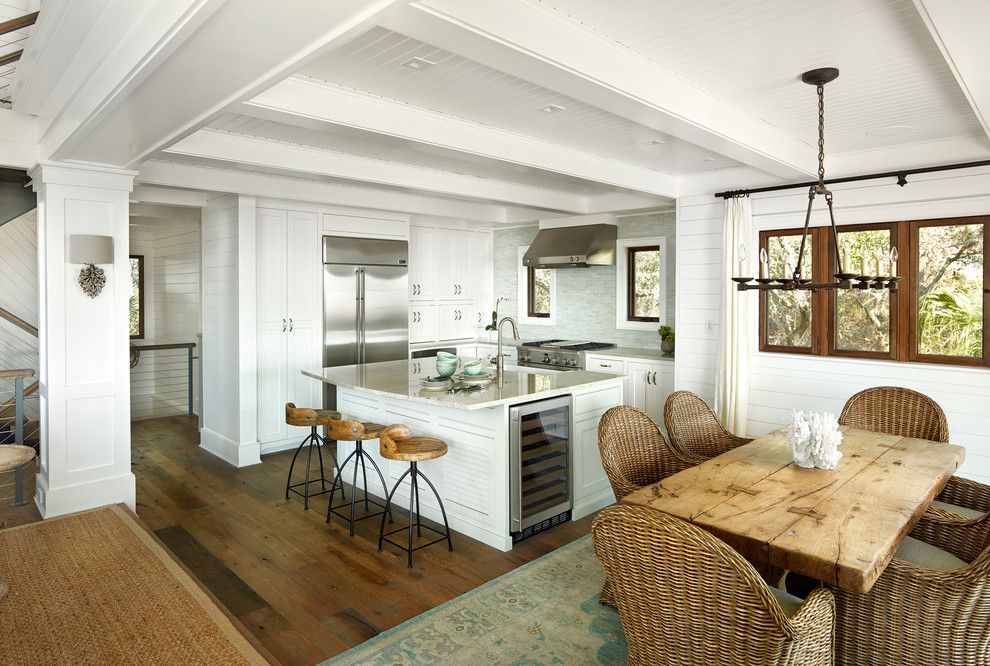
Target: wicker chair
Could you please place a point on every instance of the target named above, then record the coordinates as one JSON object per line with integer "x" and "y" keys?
{"x": 926, "y": 608}
{"x": 634, "y": 451}
{"x": 963, "y": 505}
{"x": 693, "y": 428}
{"x": 686, "y": 598}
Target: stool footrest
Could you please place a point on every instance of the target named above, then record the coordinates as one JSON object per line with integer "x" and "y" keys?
{"x": 346, "y": 515}
{"x": 405, "y": 547}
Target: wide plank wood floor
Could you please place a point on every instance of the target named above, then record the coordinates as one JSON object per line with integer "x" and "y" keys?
{"x": 306, "y": 589}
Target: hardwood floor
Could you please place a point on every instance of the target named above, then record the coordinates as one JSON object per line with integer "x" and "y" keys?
{"x": 306, "y": 589}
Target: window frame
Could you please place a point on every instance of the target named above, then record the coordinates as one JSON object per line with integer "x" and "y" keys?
{"x": 141, "y": 300}
{"x": 622, "y": 283}
{"x": 903, "y": 302}
{"x": 912, "y": 320}
{"x": 531, "y": 295}
{"x": 631, "y": 251}
{"x": 523, "y": 293}
{"x": 896, "y": 308}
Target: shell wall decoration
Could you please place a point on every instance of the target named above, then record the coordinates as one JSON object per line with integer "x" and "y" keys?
{"x": 92, "y": 279}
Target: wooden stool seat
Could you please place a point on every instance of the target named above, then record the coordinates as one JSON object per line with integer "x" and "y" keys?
{"x": 415, "y": 449}
{"x": 302, "y": 416}
{"x": 13, "y": 456}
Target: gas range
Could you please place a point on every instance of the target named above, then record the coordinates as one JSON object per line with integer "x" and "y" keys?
{"x": 557, "y": 354}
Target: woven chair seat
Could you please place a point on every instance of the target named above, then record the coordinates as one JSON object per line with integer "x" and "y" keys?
{"x": 931, "y": 605}
{"x": 685, "y": 598}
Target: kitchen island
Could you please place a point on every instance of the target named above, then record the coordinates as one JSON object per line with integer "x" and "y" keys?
{"x": 474, "y": 477}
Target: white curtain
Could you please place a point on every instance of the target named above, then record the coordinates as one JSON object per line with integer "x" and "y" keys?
{"x": 732, "y": 364}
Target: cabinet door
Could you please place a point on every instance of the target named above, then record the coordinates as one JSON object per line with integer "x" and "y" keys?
{"x": 304, "y": 308}
{"x": 644, "y": 387}
{"x": 422, "y": 272}
{"x": 422, "y": 323}
{"x": 589, "y": 475}
{"x": 464, "y": 263}
{"x": 272, "y": 322}
{"x": 454, "y": 321}
{"x": 483, "y": 274}
{"x": 454, "y": 264}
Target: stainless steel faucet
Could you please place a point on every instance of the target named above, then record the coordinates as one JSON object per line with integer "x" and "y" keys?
{"x": 500, "y": 360}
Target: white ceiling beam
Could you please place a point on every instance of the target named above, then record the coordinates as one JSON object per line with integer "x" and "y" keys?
{"x": 230, "y": 181}
{"x": 623, "y": 202}
{"x": 164, "y": 212}
{"x": 959, "y": 28}
{"x": 308, "y": 103}
{"x": 248, "y": 151}
{"x": 165, "y": 78}
{"x": 168, "y": 196}
{"x": 532, "y": 43}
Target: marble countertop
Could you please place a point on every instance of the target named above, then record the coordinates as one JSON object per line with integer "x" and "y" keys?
{"x": 394, "y": 379}
{"x": 634, "y": 352}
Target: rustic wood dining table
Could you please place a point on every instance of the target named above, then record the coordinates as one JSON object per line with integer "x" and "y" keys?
{"x": 839, "y": 526}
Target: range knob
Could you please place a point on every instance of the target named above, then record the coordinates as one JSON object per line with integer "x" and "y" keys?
{"x": 525, "y": 356}
{"x": 546, "y": 358}
{"x": 573, "y": 362}
{"x": 556, "y": 359}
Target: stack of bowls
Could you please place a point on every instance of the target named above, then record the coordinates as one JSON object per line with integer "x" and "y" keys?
{"x": 446, "y": 364}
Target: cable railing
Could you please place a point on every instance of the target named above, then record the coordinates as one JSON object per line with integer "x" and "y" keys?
{"x": 162, "y": 384}
{"x": 19, "y": 424}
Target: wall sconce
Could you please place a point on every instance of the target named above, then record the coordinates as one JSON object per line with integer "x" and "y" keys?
{"x": 91, "y": 250}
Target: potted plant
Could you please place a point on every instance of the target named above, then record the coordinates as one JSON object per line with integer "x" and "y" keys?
{"x": 492, "y": 328}
{"x": 666, "y": 339}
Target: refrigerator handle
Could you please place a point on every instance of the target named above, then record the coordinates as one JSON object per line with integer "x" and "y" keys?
{"x": 363, "y": 323}
{"x": 357, "y": 315}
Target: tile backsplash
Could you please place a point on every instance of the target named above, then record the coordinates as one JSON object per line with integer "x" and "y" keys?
{"x": 585, "y": 296}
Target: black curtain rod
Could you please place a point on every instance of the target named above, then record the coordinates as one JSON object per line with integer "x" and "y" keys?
{"x": 901, "y": 176}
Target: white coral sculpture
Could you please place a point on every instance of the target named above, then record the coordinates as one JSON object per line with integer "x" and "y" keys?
{"x": 815, "y": 439}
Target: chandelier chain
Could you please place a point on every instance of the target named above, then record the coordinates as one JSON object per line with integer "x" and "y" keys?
{"x": 821, "y": 137}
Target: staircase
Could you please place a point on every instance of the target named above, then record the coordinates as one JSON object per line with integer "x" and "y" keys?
{"x": 16, "y": 195}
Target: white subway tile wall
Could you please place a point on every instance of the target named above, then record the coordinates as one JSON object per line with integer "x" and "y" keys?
{"x": 585, "y": 296}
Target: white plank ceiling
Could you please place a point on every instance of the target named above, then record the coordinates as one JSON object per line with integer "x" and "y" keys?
{"x": 462, "y": 88}
{"x": 392, "y": 149}
{"x": 894, "y": 88}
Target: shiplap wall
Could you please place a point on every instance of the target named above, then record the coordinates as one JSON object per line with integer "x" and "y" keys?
{"x": 782, "y": 382}
{"x": 19, "y": 295}
{"x": 159, "y": 384}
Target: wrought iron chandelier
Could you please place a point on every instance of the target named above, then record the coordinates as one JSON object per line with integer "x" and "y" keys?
{"x": 845, "y": 277}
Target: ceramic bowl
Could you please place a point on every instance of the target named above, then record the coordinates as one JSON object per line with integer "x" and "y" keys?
{"x": 473, "y": 367}
{"x": 446, "y": 357}
{"x": 446, "y": 368}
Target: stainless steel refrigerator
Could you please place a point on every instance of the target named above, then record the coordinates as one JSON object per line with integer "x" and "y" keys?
{"x": 365, "y": 302}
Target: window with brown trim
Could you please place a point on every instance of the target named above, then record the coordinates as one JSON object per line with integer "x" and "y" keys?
{"x": 539, "y": 287}
{"x": 643, "y": 283}
{"x": 939, "y": 313}
{"x": 137, "y": 297}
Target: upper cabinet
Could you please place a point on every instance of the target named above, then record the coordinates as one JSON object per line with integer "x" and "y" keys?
{"x": 454, "y": 275}
{"x": 422, "y": 242}
{"x": 451, "y": 282}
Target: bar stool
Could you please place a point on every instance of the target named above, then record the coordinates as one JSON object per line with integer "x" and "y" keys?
{"x": 397, "y": 443}
{"x": 312, "y": 418}
{"x": 16, "y": 457}
{"x": 347, "y": 430}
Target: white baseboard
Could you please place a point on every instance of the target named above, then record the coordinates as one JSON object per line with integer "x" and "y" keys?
{"x": 53, "y": 502}
{"x": 275, "y": 447}
{"x": 238, "y": 455}
{"x": 588, "y": 505}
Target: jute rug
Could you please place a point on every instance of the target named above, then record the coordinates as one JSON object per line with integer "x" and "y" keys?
{"x": 545, "y": 612}
{"x": 97, "y": 588}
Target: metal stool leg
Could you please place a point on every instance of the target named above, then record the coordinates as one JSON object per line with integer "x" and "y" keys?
{"x": 388, "y": 504}
{"x": 443, "y": 512}
{"x": 288, "y": 481}
{"x": 309, "y": 461}
{"x": 415, "y": 489}
{"x": 319, "y": 452}
{"x": 19, "y": 485}
{"x": 360, "y": 456}
{"x": 364, "y": 474}
{"x": 339, "y": 478}
{"x": 384, "y": 485}
{"x": 336, "y": 467}
{"x": 412, "y": 497}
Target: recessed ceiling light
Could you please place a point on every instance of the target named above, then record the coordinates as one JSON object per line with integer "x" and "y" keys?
{"x": 418, "y": 63}
{"x": 552, "y": 108}
{"x": 707, "y": 160}
{"x": 890, "y": 130}
{"x": 658, "y": 141}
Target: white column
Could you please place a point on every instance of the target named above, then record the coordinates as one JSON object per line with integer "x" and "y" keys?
{"x": 83, "y": 342}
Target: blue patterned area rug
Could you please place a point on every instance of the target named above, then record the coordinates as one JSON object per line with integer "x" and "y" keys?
{"x": 545, "y": 612}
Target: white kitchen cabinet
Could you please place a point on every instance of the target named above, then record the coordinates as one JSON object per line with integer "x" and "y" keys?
{"x": 422, "y": 322}
{"x": 422, "y": 266}
{"x": 482, "y": 276}
{"x": 454, "y": 321}
{"x": 648, "y": 383}
{"x": 455, "y": 279}
{"x": 288, "y": 317}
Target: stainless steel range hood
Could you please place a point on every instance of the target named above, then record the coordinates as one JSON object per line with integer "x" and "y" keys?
{"x": 573, "y": 247}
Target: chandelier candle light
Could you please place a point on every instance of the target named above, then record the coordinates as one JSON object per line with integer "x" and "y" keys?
{"x": 845, "y": 276}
